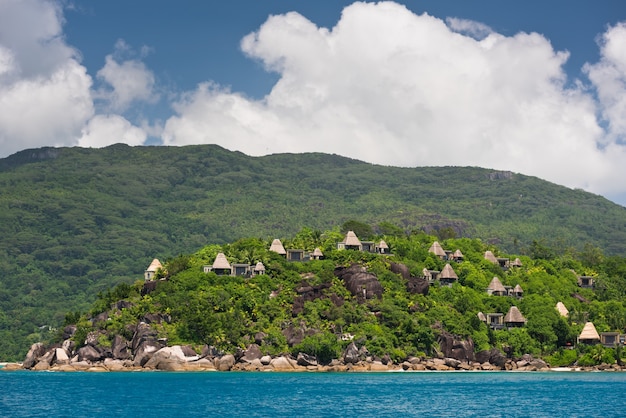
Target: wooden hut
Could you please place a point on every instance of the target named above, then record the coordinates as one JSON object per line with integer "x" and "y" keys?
{"x": 447, "y": 275}
{"x": 221, "y": 266}
{"x": 382, "y": 247}
{"x": 514, "y": 318}
{"x": 517, "y": 292}
{"x": 258, "y": 269}
{"x": 458, "y": 256}
{"x": 589, "y": 334}
{"x": 496, "y": 288}
{"x": 350, "y": 242}
{"x": 438, "y": 250}
{"x": 277, "y": 247}
{"x": 562, "y": 309}
{"x": 317, "y": 254}
{"x": 490, "y": 257}
{"x": 152, "y": 269}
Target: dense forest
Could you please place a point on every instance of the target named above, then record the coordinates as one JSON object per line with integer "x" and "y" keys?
{"x": 74, "y": 222}
{"x": 307, "y": 306}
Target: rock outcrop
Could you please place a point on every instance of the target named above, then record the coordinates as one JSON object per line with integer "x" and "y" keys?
{"x": 360, "y": 282}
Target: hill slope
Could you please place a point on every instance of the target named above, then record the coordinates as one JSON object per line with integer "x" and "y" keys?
{"x": 75, "y": 221}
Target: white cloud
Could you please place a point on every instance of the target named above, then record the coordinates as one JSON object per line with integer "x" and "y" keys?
{"x": 130, "y": 80}
{"x": 44, "y": 91}
{"x": 391, "y": 87}
{"x": 104, "y": 130}
{"x": 609, "y": 79}
{"x": 46, "y": 95}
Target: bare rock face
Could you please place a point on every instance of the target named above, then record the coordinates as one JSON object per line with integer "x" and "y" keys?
{"x": 400, "y": 269}
{"x": 225, "y": 362}
{"x": 32, "y": 357}
{"x": 456, "y": 348}
{"x": 306, "y": 360}
{"x": 295, "y": 335}
{"x": 88, "y": 353}
{"x": 359, "y": 282}
{"x": 493, "y": 356}
{"x": 351, "y": 355}
{"x": 61, "y": 357}
{"x": 167, "y": 358}
{"x": 253, "y": 352}
{"x": 144, "y": 344}
{"x": 119, "y": 348}
{"x": 69, "y": 331}
{"x": 281, "y": 363}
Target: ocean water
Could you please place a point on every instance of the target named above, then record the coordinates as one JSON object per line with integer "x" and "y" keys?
{"x": 258, "y": 394}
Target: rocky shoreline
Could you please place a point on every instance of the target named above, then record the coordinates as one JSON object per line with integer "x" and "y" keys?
{"x": 184, "y": 358}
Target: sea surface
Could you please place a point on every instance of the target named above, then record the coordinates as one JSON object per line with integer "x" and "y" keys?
{"x": 271, "y": 394}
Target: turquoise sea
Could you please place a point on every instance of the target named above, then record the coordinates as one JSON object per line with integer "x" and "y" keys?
{"x": 442, "y": 394}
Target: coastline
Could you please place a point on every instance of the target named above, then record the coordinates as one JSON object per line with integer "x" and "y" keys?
{"x": 289, "y": 364}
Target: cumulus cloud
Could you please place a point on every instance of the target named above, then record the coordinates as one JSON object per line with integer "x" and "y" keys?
{"x": 129, "y": 80}
{"x": 391, "y": 87}
{"x": 104, "y": 130}
{"x": 609, "y": 78}
{"x": 45, "y": 94}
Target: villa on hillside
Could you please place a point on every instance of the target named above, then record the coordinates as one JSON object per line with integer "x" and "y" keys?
{"x": 498, "y": 320}
{"x": 438, "y": 250}
{"x": 295, "y": 254}
{"x": 222, "y": 267}
{"x": 496, "y": 288}
{"x": 150, "y": 272}
{"x": 503, "y": 262}
{"x": 352, "y": 242}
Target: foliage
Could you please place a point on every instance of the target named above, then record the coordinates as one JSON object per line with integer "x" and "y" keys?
{"x": 76, "y": 222}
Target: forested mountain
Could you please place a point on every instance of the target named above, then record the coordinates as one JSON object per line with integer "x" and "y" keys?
{"x": 74, "y": 222}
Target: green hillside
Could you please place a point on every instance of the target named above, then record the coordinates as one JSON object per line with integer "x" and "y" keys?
{"x": 381, "y": 302}
{"x": 74, "y": 222}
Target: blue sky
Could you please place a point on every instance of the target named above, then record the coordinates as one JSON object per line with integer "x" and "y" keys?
{"x": 533, "y": 87}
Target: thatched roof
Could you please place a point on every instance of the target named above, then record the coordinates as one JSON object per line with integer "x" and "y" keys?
{"x": 518, "y": 289}
{"x": 154, "y": 266}
{"x": 277, "y": 247}
{"x": 221, "y": 262}
{"x": 490, "y": 257}
{"x": 382, "y": 244}
{"x": 517, "y": 263}
{"x": 514, "y": 316}
{"x": 317, "y": 252}
{"x": 495, "y": 285}
{"x": 589, "y": 332}
{"x": 458, "y": 254}
{"x": 259, "y": 267}
{"x": 351, "y": 239}
{"x": 562, "y": 309}
{"x": 437, "y": 249}
{"x": 482, "y": 317}
{"x": 448, "y": 273}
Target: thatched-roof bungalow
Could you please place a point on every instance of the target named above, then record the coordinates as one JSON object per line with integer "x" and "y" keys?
{"x": 458, "y": 256}
{"x": 152, "y": 269}
{"x": 277, "y": 247}
{"x": 382, "y": 247}
{"x": 514, "y": 318}
{"x": 350, "y": 242}
{"x": 220, "y": 266}
{"x": 258, "y": 269}
{"x": 438, "y": 250}
{"x": 516, "y": 263}
{"x": 496, "y": 288}
{"x": 517, "y": 292}
{"x": 562, "y": 309}
{"x": 490, "y": 257}
{"x": 317, "y": 254}
{"x": 589, "y": 334}
{"x": 447, "y": 275}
